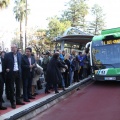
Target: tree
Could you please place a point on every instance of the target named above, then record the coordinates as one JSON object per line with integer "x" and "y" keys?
{"x": 76, "y": 13}
{"x": 26, "y": 6}
{"x": 16, "y": 38}
{"x": 57, "y": 27}
{"x": 98, "y": 23}
{"x": 4, "y": 3}
{"x": 20, "y": 13}
{"x": 39, "y": 41}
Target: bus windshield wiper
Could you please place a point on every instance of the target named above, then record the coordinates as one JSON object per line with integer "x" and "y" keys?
{"x": 106, "y": 64}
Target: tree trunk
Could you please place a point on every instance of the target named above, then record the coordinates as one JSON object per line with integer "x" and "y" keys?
{"x": 26, "y": 26}
{"x": 21, "y": 41}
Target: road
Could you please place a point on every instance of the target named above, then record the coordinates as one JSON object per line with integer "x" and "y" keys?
{"x": 98, "y": 101}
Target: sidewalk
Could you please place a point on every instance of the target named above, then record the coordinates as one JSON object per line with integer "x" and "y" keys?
{"x": 38, "y": 105}
{"x": 8, "y": 105}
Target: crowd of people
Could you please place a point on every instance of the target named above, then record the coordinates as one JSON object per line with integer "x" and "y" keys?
{"x": 19, "y": 73}
{"x": 63, "y": 69}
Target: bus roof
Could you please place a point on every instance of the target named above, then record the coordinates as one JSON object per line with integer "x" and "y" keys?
{"x": 114, "y": 32}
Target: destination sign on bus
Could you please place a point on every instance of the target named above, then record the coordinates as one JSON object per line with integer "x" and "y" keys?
{"x": 111, "y": 41}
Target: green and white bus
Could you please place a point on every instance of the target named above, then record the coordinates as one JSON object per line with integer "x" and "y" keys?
{"x": 105, "y": 55}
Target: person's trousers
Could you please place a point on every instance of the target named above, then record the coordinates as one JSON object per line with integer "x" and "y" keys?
{"x": 81, "y": 73}
{"x": 27, "y": 85}
{"x": 66, "y": 78}
{"x": 55, "y": 87}
{"x": 71, "y": 77}
{"x": 1, "y": 88}
{"x": 76, "y": 76}
{"x": 85, "y": 70}
{"x": 63, "y": 82}
{"x": 14, "y": 79}
{"x": 7, "y": 88}
{"x": 48, "y": 85}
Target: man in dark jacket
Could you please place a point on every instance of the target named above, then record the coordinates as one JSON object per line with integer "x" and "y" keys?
{"x": 13, "y": 73}
{"x": 28, "y": 65}
{"x": 45, "y": 62}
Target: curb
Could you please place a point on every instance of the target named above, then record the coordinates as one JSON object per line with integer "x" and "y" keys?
{"x": 44, "y": 105}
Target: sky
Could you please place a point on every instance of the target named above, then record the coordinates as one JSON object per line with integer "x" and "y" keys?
{"x": 42, "y": 9}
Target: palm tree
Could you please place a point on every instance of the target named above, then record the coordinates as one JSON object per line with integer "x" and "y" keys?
{"x": 26, "y": 25}
{"x": 20, "y": 13}
{"x": 4, "y": 3}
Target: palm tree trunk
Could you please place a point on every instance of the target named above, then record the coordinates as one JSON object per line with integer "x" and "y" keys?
{"x": 26, "y": 27}
{"x": 21, "y": 42}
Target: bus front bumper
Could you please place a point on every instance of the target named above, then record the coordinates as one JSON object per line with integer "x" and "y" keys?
{"x": 105, "y": 78}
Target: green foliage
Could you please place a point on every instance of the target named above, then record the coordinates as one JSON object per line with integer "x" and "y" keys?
{"x": 4, "y": 3}
{"x": 98, "y": 23}
{"x": 40, "y": 41}
{"x": 16, "y": 38}
{"x": 19, "y": 10}
{"x": 57, "y": 27}
{"x": 20, "y": 13}
{"x": 76, "y": 13}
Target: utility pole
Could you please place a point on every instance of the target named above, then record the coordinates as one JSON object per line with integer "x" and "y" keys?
{"x": 26, "y": 26}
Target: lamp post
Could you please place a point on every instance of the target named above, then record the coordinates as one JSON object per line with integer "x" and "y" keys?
{"x": 26, "y": 26}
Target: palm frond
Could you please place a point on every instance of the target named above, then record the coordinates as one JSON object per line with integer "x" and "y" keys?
{"x": 4, "y": 3}
{"x": 20, "y": 10}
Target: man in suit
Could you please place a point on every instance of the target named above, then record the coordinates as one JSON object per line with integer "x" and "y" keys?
{"x": 2, "y": 71}
{"x": 28, "y": 65}
{"x": 13, "y": 73}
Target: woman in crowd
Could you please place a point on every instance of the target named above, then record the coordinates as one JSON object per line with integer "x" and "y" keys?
{"x": 67, "y": 72}
{"x": 53, "y": 74}
{"x": 72, "y": 69}
{"x": 36, "y": 75}
{"x": 77, "y": 66}
{"x": 85, "y": 66}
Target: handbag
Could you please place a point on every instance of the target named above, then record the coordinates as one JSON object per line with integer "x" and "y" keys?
{"x": 63, "y": 69}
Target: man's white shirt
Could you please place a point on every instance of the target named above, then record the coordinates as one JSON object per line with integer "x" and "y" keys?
{"x": 15, "y": 63}
{"x": 0, "y": 65}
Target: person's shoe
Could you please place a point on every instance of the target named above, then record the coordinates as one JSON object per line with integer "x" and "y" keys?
{"x": 64, "y": 89}
{"x": 47, "y": 92}
{"x": 19, "y": 103}
{"x": 26, "y": 100}
{"x": 56, "y": 92}
{"x": 13, "y": 105}
{"x": 2, "y": 108}
{"x": 78, "y": 89}
{"x": 31, "y": 97}
{"x": 35, "y": 93}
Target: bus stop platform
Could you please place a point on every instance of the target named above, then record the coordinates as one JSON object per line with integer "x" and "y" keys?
{"x": 41, "y": 103}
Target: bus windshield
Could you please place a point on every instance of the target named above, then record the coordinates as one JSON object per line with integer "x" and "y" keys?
{"x": 105, "y": 56}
